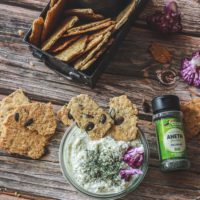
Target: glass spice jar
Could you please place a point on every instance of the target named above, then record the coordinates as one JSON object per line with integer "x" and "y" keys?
{"x": 170, "y": 133}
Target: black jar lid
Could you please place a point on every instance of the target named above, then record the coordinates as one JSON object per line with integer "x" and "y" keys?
{"x": 165, "y": 103}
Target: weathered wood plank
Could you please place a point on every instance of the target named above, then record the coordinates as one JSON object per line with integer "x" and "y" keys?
{"x": 190, "y": 11}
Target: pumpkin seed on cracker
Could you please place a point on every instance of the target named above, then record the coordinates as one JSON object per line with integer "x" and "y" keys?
{"x": 66, "y": 24}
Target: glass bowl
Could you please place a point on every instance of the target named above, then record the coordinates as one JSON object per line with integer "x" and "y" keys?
{"x": 64, "y": 164}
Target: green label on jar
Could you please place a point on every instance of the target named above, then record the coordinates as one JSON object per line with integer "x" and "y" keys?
{"x": 171, "y": 139}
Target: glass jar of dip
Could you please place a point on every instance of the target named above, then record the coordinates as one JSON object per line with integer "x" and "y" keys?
{"x": 170, "y": 133}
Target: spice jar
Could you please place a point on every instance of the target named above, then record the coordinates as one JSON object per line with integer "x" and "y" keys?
{"x": 170, "y": 133}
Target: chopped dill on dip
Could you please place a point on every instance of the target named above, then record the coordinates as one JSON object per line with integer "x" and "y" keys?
{"x": 95, "y": 165}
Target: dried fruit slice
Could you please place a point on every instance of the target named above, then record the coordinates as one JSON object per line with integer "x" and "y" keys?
{"x": 66, "y": 24}
{"x": 74, "y": 50}
{"x": 37, "y": 28}
{"x": 89, "y": 27}
{"x": 160, "y": 53}
{"x": 52, "y": 18}
{"x": 86, "y": 13}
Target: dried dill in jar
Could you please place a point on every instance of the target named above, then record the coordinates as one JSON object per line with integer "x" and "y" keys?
{"x": 170, "y": 133}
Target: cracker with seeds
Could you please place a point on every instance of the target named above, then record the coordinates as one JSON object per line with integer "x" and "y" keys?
{"x": 27, "y": 130}
{"x": 124, "y": 15}
{"x": 52, "y": 18}
{"x": 37, "y": 28}
{"x": 88, "y": 116}
{"x": 63, "y": 43}
{"x": 65, "y": 25}
{"x": 85, "y": 13}
{"x": 79, "y": 64}
{"x": 191, "y": 117}
{"x": 74, "y": 50}
{"x": 94, "y": 26}
{"x": 124, "y": 114}
{"x": 65, "y": 116}
{"x": 34, "y": 117}
{"x": 9, "y": 103}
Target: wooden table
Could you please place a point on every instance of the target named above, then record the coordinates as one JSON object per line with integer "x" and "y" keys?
{"x": 42, "y": 179}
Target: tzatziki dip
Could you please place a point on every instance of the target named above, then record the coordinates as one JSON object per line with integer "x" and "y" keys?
{"x": 102, "y": 166}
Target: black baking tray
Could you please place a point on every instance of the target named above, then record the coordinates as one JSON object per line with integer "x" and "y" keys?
{"x": 90, "y": 76}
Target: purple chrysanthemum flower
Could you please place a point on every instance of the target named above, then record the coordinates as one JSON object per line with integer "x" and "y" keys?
{"x": 126, "y": 174}
{"x": 134, "y": 157}
{"x": 190, "y": 69}
{"x": 168, "y": 21}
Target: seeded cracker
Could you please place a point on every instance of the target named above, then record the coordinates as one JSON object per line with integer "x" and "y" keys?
{"x": 63, "y": 43}
{"x": 52, "y": 3}
{"x": 74, "y": 50}
{"x": 125, "y": 14}
{"x": 124, "y": 114}
{"x": 37, "y": 28}
{"x": 34, "y": 117}
{"x": 9, "y": 103}
{"x": 52, "y": 18}
{"x": 191, "y": 117}
{"x": 65, "y": 116}
{"x": 67, "y": 24}
{"x": 87, "y": 114}
{"x": 82, "y": 61}
{"x": 90, "y": 117}
{"x": 89, "y": 27}
{"x": 84, "y": 13}
{"x": 96, "y": 56}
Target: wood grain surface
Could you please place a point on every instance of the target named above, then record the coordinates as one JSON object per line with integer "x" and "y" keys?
{"x": 22, "y": 178}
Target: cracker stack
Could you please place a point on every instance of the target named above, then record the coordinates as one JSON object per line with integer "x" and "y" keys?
{"x": 25, "y": 127}
{"x": 75, "y": 35}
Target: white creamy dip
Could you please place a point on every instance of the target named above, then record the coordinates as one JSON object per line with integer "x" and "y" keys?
{"x": 95, "y": 164}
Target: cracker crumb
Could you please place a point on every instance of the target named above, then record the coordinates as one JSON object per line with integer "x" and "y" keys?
{"x": 31, "y": 63}
{"x": 20, "y": 33}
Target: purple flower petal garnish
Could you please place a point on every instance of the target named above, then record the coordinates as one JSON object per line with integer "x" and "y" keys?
{"x": 168, "y": 21}
{"x": 190, "y": 69}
